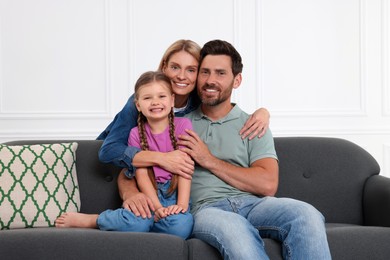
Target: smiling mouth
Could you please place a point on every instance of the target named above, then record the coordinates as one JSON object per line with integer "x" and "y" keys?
{"x": 156, "y": 110}
{"x": 181, "y": 85}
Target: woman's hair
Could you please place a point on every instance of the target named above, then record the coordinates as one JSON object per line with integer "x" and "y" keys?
{"x": 219, "y": 47}
{"x": 146, "y": 78}
{"x": 181, "y": 45}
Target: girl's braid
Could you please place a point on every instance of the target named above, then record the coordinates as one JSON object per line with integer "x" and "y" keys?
{"x": 144, "y": 145}
{"x": 141, "y": 129}
{"x": 171, "y": 117}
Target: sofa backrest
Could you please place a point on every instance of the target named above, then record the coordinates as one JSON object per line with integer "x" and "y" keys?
{"x": 328, "y": 173}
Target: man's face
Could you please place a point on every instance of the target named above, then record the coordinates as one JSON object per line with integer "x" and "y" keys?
{"x": 216, "y": 80}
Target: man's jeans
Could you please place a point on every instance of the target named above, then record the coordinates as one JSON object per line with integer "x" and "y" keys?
{"x": 124, "y": 220}
{"x": 236, "y": 226}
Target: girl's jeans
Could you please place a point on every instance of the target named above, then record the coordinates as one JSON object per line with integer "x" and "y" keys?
{"x": 124, "y": 220}
{"x": 236, "y": 226}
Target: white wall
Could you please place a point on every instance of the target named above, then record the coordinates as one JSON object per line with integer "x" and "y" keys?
{"x": 320, "y": 66}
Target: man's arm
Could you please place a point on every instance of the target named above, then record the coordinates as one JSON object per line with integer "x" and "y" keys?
{"x": 261, "y": 178}
{"x": 133, "y": 199}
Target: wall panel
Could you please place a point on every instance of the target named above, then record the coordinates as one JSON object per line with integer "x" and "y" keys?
{"x": 53, "y": 58}
{"x": 321, "y": 67}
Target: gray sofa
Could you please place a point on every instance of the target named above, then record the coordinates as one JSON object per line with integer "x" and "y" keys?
{"x": 336, "y": 176}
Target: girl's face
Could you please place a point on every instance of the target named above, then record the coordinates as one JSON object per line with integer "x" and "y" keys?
{"x": 155, "y": 100}
{"x": 182, "y": 69}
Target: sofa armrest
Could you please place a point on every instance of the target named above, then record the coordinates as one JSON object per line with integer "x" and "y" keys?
{"x": 376, "y": 201}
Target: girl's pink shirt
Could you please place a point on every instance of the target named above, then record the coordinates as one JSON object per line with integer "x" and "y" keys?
{"x": 160, "y": 142}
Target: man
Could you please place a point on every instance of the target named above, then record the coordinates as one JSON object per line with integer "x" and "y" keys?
{"x": 235, "y": 179}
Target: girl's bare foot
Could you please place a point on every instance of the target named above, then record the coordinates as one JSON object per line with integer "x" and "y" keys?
{"x": 74, "y": 219}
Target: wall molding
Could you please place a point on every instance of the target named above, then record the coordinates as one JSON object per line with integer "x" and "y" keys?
{"x": 385, "y": 57}
{"x": 360, "y": 111}
{"x": 131, "y": 52}
{"x": 386, "y": 160}
{"x": 47, "y": 135}
{"x": 323, "y": 131}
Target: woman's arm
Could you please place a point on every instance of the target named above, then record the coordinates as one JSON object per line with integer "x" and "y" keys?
{"x": 256, "y": 125}
{"x": 176, "y": 162}
{"x": 115, "y": 148}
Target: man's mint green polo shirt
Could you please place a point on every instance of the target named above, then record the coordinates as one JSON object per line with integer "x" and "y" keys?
{"x": 224, "y": 142}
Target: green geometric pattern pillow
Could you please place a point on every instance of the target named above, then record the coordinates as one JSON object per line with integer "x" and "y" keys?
{"x": 37, "y": 184}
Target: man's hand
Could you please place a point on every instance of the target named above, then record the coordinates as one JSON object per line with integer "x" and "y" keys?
{"x": 139, "y": 204}
{"x": 133, "y": 199}
{"x": 178, "y": 162}
{"x": 196, "y": 148}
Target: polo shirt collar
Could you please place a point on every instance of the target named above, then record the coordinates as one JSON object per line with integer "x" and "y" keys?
{"x": 233, "y": 114}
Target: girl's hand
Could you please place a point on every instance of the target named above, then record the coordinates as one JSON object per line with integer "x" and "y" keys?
{"x": 256, "y": 125}
{"x": 160, "y": 213}
{"x": 176, "y": 209}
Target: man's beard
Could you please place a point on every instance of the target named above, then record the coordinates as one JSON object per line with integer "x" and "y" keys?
{"x": 214, "y": 101}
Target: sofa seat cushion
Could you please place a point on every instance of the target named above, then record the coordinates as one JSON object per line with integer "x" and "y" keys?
{"x": 358, "y": 242}
{"x": 78, "y": 243}
{"x": 37, "y": 184}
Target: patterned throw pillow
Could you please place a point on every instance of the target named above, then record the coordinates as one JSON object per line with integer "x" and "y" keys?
{"x": 37, "y": 184}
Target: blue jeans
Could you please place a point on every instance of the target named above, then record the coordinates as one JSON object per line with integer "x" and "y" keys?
{"x": 124, "y": 220}
{"x": 236, "y": 226}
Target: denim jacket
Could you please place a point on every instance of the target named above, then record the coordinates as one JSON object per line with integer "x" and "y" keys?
{"x": 115, "y": 148}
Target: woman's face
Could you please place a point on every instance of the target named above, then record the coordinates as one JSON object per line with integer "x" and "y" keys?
{"x": 182, "y": 69}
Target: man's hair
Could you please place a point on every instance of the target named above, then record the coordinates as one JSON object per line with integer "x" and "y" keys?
{"x": 219, "y": 47}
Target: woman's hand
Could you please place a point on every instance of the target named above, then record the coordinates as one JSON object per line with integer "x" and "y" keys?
{"x": 178, "y": 162}
{"x": 256, "y": 125}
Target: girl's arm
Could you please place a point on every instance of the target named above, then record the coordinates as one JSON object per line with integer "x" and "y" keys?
{"x": 183, "y": 190}
{"x": 146, "y": 186}
{"x": 256, "y": 125}
{"x": 183, "y": 197}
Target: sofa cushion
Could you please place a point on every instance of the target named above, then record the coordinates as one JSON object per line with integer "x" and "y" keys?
{"x": 37, "y": 184}
{"x": 81, "y": 243}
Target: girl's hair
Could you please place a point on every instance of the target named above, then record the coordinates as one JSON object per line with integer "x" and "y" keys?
{"x": 146, "y": 78}
{"x": 181, "y": 45}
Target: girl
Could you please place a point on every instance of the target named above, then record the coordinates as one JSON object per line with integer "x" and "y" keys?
{"x": 157, "y": 130}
